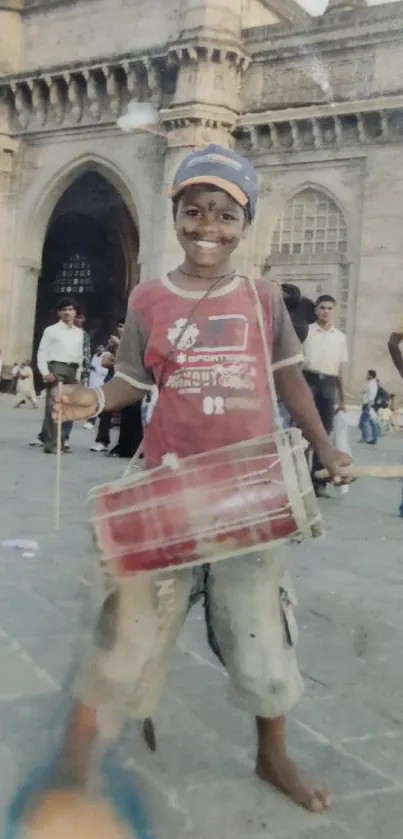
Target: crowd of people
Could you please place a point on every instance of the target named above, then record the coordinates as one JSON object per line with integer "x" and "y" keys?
{"x": 65, "y": 355}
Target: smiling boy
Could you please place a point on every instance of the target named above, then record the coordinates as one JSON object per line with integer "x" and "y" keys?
{"x": 195, "y": 334}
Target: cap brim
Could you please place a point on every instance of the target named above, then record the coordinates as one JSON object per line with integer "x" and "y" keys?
{"x": 231, "y": 189}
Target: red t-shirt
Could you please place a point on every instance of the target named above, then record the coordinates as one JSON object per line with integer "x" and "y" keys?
{"x": 206, "y": 356}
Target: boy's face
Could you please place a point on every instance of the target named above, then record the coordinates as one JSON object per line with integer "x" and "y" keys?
{"x": 209, "y": 225}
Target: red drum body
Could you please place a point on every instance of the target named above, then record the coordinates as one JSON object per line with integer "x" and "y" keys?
{"x": 205, "y": 508}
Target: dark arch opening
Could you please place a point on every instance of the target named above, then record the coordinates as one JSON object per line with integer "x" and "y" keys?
{"x": 91, "y": 254}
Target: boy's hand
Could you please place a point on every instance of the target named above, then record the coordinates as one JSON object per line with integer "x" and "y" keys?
{"x": 74, "y": 402}
{"x": 334, "y": 461}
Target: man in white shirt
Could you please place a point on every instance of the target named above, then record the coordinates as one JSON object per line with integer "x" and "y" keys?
{"x": 60, "y": 359}
{"x": 326, "y": 357}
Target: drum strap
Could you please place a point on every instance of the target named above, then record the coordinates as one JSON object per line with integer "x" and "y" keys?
{"x": 267, "y": 354}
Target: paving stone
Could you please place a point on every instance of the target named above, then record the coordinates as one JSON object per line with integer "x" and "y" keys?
{"x": 58, "y": 656}
{"x": 332, "y": 830}
{"x": 373, "y": 817}
{"x": 342, "y": 773}
{"x": 337, "y": 719}
{"x": 385, "y": 753}
{"x": 19, "y": 675}
{"x": 236, "y": 808}
{"x": 201, "y": 780}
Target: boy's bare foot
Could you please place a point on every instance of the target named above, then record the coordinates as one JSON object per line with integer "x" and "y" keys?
{"x": 285, "y": 775}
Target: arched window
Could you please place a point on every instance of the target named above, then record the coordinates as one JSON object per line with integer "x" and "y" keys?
{"x": 311, "y": 223}
{"x": 75, "y": 276}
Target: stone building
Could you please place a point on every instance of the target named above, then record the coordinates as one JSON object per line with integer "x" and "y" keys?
{"x": 317, "y": 103}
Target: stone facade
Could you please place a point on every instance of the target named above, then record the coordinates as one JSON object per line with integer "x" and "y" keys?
{"x": 315, "y": 102}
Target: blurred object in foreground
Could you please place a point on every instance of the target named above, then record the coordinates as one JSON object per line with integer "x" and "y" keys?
{"x": 62, "y": 814}
{"x": 44, "y": 808}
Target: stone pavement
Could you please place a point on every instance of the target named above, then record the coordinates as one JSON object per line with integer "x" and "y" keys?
{"x": 348, "y": 727}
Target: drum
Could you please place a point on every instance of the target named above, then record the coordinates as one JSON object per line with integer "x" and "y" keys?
{"x": 206, "y": 508}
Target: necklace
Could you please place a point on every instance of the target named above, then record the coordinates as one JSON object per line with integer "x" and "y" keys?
{"x": 216, "y": 279}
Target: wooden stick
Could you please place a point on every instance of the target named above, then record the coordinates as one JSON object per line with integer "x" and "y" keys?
{"x": 352, "y": 472}
{"x": 58, "y": 464}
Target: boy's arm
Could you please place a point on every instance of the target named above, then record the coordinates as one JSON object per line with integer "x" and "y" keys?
{"x": 120, "y": 394}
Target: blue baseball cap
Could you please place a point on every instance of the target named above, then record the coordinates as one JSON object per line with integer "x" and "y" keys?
{"x": 223, "y": 168}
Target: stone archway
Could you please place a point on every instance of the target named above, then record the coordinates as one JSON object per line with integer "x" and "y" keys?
{"x": 90, "y": 252}
{"x": 39, "y": 207}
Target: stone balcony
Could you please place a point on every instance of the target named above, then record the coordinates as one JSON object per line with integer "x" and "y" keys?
{"x": 84, "y": 94}
{"x": 97, "y": 92}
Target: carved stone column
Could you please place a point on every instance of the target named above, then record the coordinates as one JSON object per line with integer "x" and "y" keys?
{"x": 8, "y": 150}
{"x": 10, "y": 36}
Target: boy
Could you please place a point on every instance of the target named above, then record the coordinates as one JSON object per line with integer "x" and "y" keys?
{"x": 194, "y": 333}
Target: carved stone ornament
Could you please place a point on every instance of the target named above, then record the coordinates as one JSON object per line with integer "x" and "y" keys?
{"x": 274, "y": 132}
{"x": 75, "y": 99}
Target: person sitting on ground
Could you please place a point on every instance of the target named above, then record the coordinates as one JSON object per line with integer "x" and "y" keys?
{"x": 25, "y": 387}
{"x": 387, "y": 420}
{"x": 392, "y": 412}
{"x": 15, "y": 374}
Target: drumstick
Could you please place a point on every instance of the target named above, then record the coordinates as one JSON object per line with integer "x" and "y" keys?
{"x": 354, "y": 471}
{"x": 58, "y": 461}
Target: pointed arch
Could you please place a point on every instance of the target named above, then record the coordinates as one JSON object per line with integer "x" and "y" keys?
{"x": 38, "y": 210}
{"x": 311, "y": 224}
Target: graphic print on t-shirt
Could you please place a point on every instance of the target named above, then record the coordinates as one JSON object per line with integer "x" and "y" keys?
{"x": 206, "y": 356}
{"x": 213, "y": 360}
